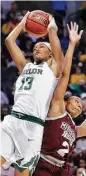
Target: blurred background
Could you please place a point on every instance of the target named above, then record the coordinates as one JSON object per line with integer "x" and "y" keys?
{"x": 63, "y": 12}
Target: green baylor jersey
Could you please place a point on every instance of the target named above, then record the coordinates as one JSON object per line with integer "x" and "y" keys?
{"x": 34, "y": 90}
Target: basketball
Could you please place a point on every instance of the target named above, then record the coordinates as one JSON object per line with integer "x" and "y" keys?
{"x": 37, "y": 23}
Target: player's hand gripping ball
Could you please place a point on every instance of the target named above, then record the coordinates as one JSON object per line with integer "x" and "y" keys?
{"x": 37, "y": 23}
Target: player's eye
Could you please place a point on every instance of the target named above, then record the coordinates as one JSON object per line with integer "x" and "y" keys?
{"x": 34, "y": 49}
{"x": 76, "y": 101}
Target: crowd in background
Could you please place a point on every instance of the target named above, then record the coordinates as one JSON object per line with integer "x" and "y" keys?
{"x": 10, "y": 17}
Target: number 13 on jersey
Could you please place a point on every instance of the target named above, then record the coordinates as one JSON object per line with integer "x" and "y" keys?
{"x": 26, "y": 83}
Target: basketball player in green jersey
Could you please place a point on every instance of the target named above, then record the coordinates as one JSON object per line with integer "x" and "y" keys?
{"x": 22, "y": 131}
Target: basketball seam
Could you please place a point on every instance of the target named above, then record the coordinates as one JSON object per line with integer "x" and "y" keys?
{"x": 36, "y": 22}
{"x": 38, "y": 32}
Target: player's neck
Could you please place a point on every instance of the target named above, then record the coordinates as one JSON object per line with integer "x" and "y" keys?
{"x": 39, "y": 62}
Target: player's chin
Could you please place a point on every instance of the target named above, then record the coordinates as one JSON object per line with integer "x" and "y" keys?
{"x": 75, "y": 115}
{"x": 72, "y": 113}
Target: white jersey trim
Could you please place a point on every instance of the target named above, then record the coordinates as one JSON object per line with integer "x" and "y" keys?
{"x": 71, "y": 118}
{"x": 52, "y": 160}
{"x": 58, "y": 117}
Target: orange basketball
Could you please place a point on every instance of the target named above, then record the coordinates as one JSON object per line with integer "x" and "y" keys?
{"x": 37, "y": 23}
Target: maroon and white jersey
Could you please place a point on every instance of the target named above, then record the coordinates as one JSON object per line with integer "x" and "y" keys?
{"x": 59, "y": 137}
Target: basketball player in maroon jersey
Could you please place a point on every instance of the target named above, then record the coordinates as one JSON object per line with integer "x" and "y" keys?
{"x": 60, "y": 132}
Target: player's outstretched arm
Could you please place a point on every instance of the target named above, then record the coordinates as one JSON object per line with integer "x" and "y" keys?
{"x": 14, "y": 50}
{"x": 63, "y": 82}
{"x": 55, "y": 44}
{"x": 81, "y": 130}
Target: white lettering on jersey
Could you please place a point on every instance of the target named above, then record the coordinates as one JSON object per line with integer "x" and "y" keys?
{"x": 63, "y": 151}
{"x": 68, "y": 133}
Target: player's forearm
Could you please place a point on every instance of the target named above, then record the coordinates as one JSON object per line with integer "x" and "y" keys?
{"x": 83, "y": 125}
{"x": 14, "y": 34}
{"x": 68, "y": 58}
{"x": 80, "y": 131}
{"x": 55, "y": 44}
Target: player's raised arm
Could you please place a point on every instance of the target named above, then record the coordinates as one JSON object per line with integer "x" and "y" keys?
{"x": 74, "y": 39}
{"x": 55, "y": 44}
{"x": 14, "y": 50}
